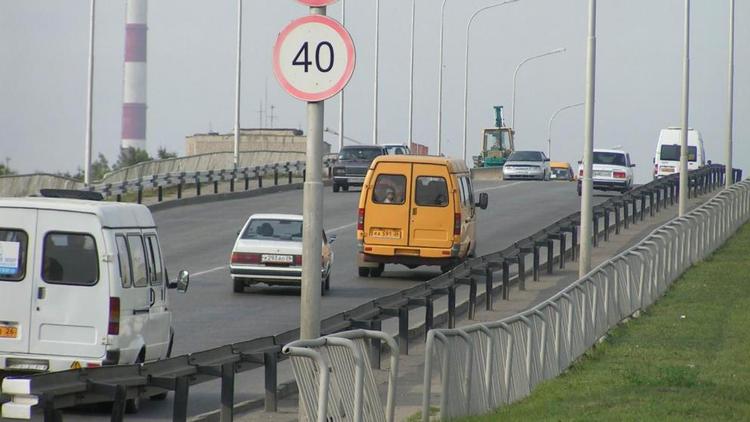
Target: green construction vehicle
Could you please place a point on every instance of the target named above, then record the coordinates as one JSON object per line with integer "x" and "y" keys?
{"x": 497, "y": 143}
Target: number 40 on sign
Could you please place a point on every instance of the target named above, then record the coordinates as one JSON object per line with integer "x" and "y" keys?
{"x": 314, "y": 58}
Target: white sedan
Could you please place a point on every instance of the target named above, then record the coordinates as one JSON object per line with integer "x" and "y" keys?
{"x": 268, "y": 250}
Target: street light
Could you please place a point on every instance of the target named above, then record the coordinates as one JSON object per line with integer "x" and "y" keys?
{"x": 89, "y": 102}
{"x": 587, "y": 191}
{"x": 549, "y": 126}
{"x": 377, "y": 54}
{"x": 515, "y": 78}
{"x": 236, "y": 155}
{"x": 730, "y": 117}
{"x": 341, "y": 95}
{"x": 466, "y": 68}
{"x": 685, "y": 114}
{"x": 440, "y": 82}
{"x": 411, "y": 73}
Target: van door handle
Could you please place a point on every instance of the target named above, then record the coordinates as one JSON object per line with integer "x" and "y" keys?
{"x": 41, "y": 293}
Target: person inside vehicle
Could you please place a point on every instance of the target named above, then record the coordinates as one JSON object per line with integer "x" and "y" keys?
{"x": 390, "y": 196}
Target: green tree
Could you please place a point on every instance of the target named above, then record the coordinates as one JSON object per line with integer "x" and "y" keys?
{"x": 131, "y": 156}
{"x": 163, "y": 154}
{"x": 6, "y": 171}
{"x": 100, "y": 167}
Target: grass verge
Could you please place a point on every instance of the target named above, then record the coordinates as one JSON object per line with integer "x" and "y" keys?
{"x": 686, "y": 358}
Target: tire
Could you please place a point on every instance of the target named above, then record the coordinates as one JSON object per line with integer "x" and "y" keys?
{"x": 345, "y": 188}
{"x": 336, "y": 188}
{"x": 364, "y": 271}
{"x": 327, "y": 283}
{"x": 163, "y": 396}
{"x": 239, "y": 286}
{"x": 133, "y": 406}
{"x": 377, "y": 272}
{"x": 322, "y": 288}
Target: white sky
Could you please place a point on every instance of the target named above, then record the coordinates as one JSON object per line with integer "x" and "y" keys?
{"x": 191, "y": 53}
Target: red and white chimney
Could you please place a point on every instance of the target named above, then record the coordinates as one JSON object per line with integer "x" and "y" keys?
{"x": 134, "y": 92}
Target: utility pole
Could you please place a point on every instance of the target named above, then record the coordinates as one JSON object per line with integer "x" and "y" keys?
{"x": 411, "y": 74}
{"x": 89, "y": 102}
{"x": 730, "y": 106}
{"x": 685, "y": 114}
{"x": 341, "y": 95}
{"x": 587, "y": 212}
{"x": 377, "y": 59}
{"x": 237, "y": 85}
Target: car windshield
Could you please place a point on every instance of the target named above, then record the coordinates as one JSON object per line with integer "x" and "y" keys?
{"x": 396, "y": 150}
{"x": 672, "y": 153}
{"x": 368, "y": 154}
{"x": 526, "y": 156}
{"x": 561, "y": 173}
{"x": 609, "y": 158}
{"x": 274, "y": 229}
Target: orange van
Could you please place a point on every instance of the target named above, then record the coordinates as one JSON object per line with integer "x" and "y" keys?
{"x": 416, "y": 210}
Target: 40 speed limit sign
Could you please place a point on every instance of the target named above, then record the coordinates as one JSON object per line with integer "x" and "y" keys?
{"x": 314, "y": 58}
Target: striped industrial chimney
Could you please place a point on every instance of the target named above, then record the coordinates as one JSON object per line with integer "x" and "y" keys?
{"x": 134, "y": 92}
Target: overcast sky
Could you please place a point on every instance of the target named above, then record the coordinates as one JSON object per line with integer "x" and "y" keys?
{"x": 191, "y": 53}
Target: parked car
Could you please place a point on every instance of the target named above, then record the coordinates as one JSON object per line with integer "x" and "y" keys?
{"x": 268, "y": 250}
{"x": 667, "y": 157}
{"x": 397, "y": 149}
{"x": 613, "y": 171}
{"x": 83, "y": 283}
{"x": 561, "y": 171}
{"x": 529, "y": 165}
{"x": 416, "y": 210}
{"x": 352, "y": 165}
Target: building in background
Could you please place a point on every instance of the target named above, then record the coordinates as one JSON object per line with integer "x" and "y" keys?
{"x": 134, "y": 76}
{"x": 286, "y": 140}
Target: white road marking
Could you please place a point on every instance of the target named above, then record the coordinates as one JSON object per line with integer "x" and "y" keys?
{"x": 198, "y": 274}
{"x": 350, "y": 225}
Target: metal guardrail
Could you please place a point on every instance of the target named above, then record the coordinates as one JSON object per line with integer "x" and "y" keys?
{"x": 52, "y": 391}
{"x": 198, "y": 179}
{"x": 484, "y": 366}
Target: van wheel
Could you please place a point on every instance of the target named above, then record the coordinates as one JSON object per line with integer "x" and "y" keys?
{"x": 345, "y": 188}
{"x": 239, "y": 286}
{"x": 377, "y": 272}
{"x": 364, "y": 271}
{"x": 133, "y": 406}
{"x": 335, "y": 188}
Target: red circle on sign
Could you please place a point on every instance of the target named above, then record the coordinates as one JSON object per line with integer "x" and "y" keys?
{"x": 317, "y": 3}
{"x": 348, "y": 71}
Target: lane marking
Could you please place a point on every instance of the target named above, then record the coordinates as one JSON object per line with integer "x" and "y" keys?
{"x": 350, "y": 225}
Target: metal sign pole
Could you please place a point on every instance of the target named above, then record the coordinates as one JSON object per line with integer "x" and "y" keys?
{"x": 89, "y": 101}
{"x": 236, "y": 156}
{"x": 587, "y": 212}
{"x": 730, "y": 98}
{"x": 312, "y": 216}
{"x": 685, "y": 115}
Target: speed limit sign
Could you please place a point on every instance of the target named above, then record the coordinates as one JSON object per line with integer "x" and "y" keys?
{"x": 314, "y": 58}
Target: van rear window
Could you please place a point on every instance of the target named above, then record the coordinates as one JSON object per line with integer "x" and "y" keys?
{"x": 389, "y": 189}
{"x": 431, "y": 191}
{"x": 13, "y": 246}
{"x": 672, "y": 153}
{"x": 70, "y": 258}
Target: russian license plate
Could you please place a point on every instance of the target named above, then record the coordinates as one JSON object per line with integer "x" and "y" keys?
{"x": 276, "y": 259}
{"x": 667, "y": 169}
{"x": 602, "y": 173}
{"x": 8, "y": 332}
{"x": 386, "y": 233}
{"x": 356, "y": 179}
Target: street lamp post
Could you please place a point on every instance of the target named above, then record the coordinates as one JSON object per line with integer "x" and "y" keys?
{"x": 730, "y": 106}
{"x": 584, "y": 263}
{"x": 515, "y": 79}
{"x": 377, "y": 55}
{"x": 466, "y": 68}
{"x": 236, "y": 155}
{"x": 341, "y": 95}
{"x": 440, "y": 81}
{"x": 89, "y": 102}
{"x": 685, "y": 115}
{"x": 411, "y": 74}
{"x": 549, "y": 126}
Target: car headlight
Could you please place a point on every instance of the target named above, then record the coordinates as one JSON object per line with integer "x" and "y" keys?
{"x": 339, "y": 171}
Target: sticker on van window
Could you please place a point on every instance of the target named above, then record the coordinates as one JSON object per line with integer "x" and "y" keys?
{"x": 9, "y": 257}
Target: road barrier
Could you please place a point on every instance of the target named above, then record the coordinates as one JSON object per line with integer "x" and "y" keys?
{"x": 50, "y": 392}
{"x": 334, "y": 369}
{"x": 484, "y": 366}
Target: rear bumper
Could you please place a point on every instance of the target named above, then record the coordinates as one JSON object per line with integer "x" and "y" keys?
{"x": 287, "y": 276}
{"x": 509, "y": 174}
{"x": 349, "y": 180}
{"x": 409, "y": 256}
{"x": 23, "y": 363}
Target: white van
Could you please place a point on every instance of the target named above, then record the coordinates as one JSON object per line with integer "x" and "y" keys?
{"x": 82, "y": 284}
{"x": 667, "y": 158}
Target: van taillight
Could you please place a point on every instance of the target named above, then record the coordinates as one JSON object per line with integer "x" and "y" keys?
{"x": 297, "y": 260}
{"x": 457, "y": 224}
{"x": 361, "y": 219}
{"x": 114, "y": 316}
{"x": 656, "y": 169}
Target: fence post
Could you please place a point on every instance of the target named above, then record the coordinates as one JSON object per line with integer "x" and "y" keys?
{"x": 550, "y": 255}
{"x": 247, "y": 181}
{"x": 231, "y": 183}
{"x": 181, "y": 390}
{"x": 606, "y": 224}
{"x": 563, "y": 247}
{"x": 521, "y": 271}
{"x": 160, "y": 193}
{"x": 506, "y": 280}
{"x": 270, "y": 364}
{"x": 260, "y": 181}
{"x": 140, "y": 194}
{"x": 275, "y": 176}
{"x": 227, "y": 392}
{"x": 618, "y": 220}
{"x": 403, "y": 330}
{"x": 375, "y": 325}
{"x": 197, "y": 185}
{"x": 488, "y": 287}
{"x": 290, "y": 176}
{"x": 179, "y": 189}
{"x": 536, "y": 262}
{"x": 452, "y": 306}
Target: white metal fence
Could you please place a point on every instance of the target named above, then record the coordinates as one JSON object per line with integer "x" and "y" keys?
{"x": 336, "y": 381}
{"x": 485, "y": 366}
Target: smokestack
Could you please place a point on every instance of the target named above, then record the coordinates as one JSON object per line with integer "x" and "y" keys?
{"x": 134, "y": 93}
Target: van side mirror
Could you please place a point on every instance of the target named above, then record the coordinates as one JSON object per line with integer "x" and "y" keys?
{"x": 484, "y": 200}
{"x": 182, "y": 283}
{"x": 632, "y": 165}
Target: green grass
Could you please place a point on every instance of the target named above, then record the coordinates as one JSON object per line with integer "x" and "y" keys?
{"x": 687, "y": 358}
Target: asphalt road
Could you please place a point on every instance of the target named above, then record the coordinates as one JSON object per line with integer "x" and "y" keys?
{"x": 199, "y": 238}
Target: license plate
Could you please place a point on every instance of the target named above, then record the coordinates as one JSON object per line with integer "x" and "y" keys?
{"x": 600, "y": 173}
{"x": 356, "y": 179}
{"x": 667, "y": 169}
{"x": 8, "y": 332}
{"x": 386, "y": 233}
{"x": 277, "y": 259}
